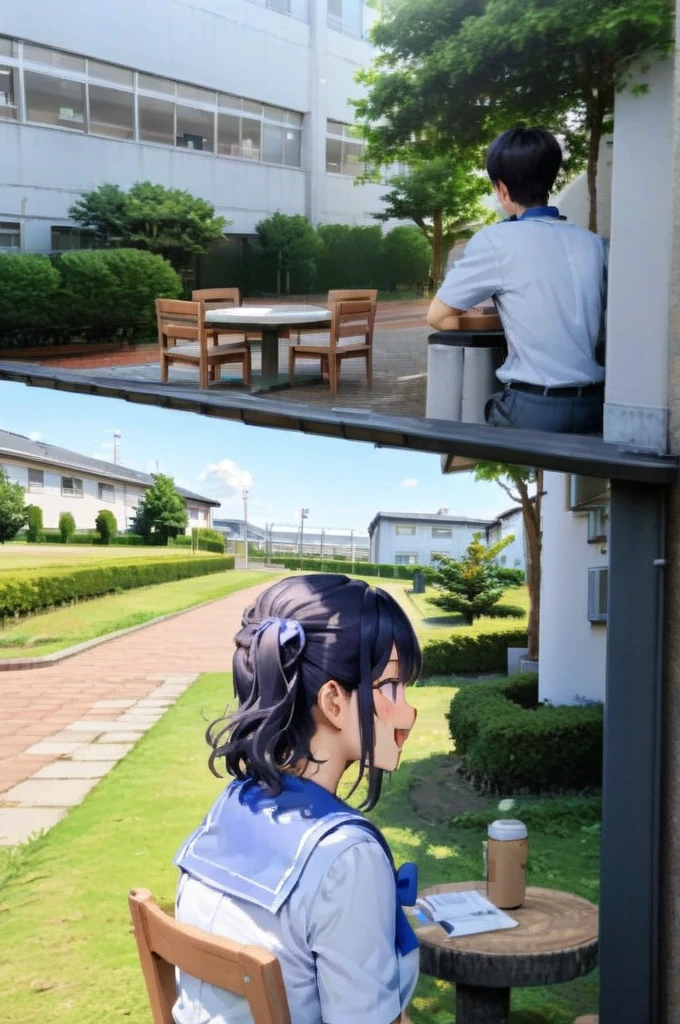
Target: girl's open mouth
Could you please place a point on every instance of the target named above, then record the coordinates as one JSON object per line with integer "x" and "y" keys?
{"x": 400, "y": 737}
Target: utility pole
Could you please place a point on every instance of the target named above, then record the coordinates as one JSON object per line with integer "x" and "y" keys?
{"x": 116, "y": 447}
{"x": 351, "y": 541}
{"x": 245, "y": 522}
{"x": 323, "y": 535}
{"x": 304, "y": 514}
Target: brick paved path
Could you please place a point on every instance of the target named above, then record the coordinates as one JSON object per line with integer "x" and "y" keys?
{"x": 38, "y": 706}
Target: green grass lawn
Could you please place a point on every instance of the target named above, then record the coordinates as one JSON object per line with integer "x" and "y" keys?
{"x": 16, "y": 557}
{"x": 68, "y": 955}
{"x": 54, "y": 630}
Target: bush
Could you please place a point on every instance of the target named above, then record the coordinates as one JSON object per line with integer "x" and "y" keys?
{"x": 35, "y": 524}
{"x": 349, "y": 257}
{"x": 67, "y": 527}
{"x": 407, "y": 256}
{"x": 344, "y": 565}
{"x": 505, "y": 611}
{"x": 25, "y": 594}
{"x": 29, "y": 287}
{"x": 467, "y": 653}
{"x": 106, "y": 525}
{"x": 512, "y": 577}
{"x": 132, "y": 540}
{"x": 109, "y": 294}
{"x": 509, "y": 742}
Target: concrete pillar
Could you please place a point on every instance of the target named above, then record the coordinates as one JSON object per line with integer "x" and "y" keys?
{"x": 636, "y": 411}
{"x": 315, "y": 156}
{"x": 670, "y": 832}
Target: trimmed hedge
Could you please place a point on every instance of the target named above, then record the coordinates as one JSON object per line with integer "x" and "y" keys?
{"x": 91, "y": 537}
{"x": 26, "y": 594}
{"x": 466, "y": 652}
{"x": 510, "y": 742}
{"x": 394, "y": 572}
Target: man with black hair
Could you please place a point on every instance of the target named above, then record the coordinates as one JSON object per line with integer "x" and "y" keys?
{"x": 548, "y": 280}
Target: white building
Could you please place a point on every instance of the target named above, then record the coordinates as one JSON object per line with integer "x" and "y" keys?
{"x": 285, "y": 539}
{"x": 415, "y": 538}
{"x": 245, "y": 104}
{"x": 58, "y": 480}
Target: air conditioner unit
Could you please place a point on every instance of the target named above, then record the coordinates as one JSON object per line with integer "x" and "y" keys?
{"x": 586, "y": 492}
{"x": 598, "y": 588}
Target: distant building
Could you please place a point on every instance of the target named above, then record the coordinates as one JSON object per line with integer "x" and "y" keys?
{"x": 285, "y": 540}
{"x": 415, "y": 538}
{"x": 58, "y": 480}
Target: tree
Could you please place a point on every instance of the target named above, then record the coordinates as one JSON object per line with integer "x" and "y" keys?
{"x": 524, "y": 487}
{"x": 473, "y": 584}
{"x": 166, "y": 221}
{"x": 67, "y": 526}
{"x": 408, "y": 257}
{"x": 443, "y": 198}
{"x": 464, "y": 69}
{"x": 287, "y": 244}
{"x": 13, "y": 511}
{"x": 34, "y": 518}
{"x": 161, "y": 513}
{"x": 106, "y": 525}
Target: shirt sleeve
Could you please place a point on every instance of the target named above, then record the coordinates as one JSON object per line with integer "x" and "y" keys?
{"x": 352, "y": 936}
{"x": 475, "y": 277}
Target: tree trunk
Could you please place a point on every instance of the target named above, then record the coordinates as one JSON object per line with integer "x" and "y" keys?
{"x": 437, "y": 233}
{"x": 594, "y": 141}
{"x": 288, "y": 281}
{"x": 531, "y": 515}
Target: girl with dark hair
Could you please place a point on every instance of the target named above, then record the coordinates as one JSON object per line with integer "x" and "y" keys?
{"x": 320, "y": 671}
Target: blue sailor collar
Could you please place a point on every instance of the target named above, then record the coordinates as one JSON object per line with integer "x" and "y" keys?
{"x": 536, "y": 212}
{"x": 255, "y": 846}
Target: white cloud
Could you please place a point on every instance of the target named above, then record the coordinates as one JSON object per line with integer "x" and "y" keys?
{"x": 409, "y": 482}
{"x": 35, "y": 435}
{"x": 226, "y": 477}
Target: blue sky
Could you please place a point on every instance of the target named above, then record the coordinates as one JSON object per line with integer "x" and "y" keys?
{"x": 343, "y": 483}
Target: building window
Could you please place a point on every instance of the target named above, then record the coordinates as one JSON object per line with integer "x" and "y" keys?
{"x": 346, "y": 16}
{"x": 71, "y": 487}
{"x": 443, "y": 532}
{"x": 598, "y": 525}
{"x": 405, "y": 559}
{"x": 112, "y": 112}
{"x": 110, "y": 73}
{"x": 404, "y": 530}
{"x": 36, "y": 481}
{"x": 193, "y": 514}
{"x": 196, "y": 129}
{"x": 344, "y": 150}
{"x": 64, "y": 239}
{"x": 54, "y": 58}
{"x": 57, "y": 102}
{"x": 8, "y": 92}
{"x": 598, "y": 585}
{"x": 10, "y": 236}
{"x": 156, "y": 121}
{"x": 107, "y": 492}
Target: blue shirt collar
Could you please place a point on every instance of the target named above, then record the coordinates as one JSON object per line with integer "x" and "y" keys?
{"x": 540, "y": 211}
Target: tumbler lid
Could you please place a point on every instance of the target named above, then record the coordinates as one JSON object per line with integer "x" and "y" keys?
{"x": 507, "y": 829}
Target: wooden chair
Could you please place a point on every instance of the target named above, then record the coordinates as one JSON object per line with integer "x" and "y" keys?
{"x": 165, "y": 944}
{"x": 353, "y": 316}
{"x": 184, "y": 322}
{"x": 592, "y": 1018}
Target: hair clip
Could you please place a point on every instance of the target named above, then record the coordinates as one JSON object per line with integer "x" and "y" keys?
{"x": 289, "y": 629}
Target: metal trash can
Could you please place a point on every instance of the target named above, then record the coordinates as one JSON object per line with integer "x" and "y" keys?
{"x": 461, "y": 373}
{"x": 418, "y": 583}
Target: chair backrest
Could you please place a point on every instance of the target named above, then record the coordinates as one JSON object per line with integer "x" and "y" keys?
{"x": 165, "y": 944}
{"x": 178, "y": 318}
{"x": 217, "y": 298}
{"x": 350, "y": 294}
{"x": 352, "y": 319}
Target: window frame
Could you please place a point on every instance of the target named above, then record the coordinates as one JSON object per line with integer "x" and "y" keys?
{"x": 35, "y": 487}
{"x": 72, "y": 492}
{"x": 103, "y": 485}
{"x": 404, "y": 530}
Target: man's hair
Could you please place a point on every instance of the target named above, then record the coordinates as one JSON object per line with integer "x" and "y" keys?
{"x": 527, "y": 161}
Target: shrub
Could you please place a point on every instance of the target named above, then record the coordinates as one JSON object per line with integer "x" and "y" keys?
{"x": 29, "y": 287}
{"x": 349, "y": 257}
{"x": 344, "y": 565}
{"x": 67, "y": 527}
{"x": 505, "y": 611}
{"x": 132, "y": 540}
{"x": 25, "y": 594}
{"x": 467, "y": 653}
{"x": 210, "y": 540}
{"x": 512, "y": 577}
{"x": 407, "y": 258}
{"x": 109, "y": 294}
{"x": 106, "y": 524}
{"x": 35, "y": 524}
{"x": 509, "y": 742}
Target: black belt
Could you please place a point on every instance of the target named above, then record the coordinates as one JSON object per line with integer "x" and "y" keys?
{"x": 568, "y": 392}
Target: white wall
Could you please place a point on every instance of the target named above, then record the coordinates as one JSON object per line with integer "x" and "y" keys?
{"x": 514, "y": 556}
{"x": 84, "y": 510}
{"x": 572, "y": 650}
{"x": 236, "y": 47}
{"x": 386, "y": 544}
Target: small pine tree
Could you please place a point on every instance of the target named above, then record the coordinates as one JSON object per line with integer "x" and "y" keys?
{"x": 106, "y": 525}
{"x": 35, "y": 524}
{"x": 67, "y": 527}
{"x": 473, "y": 584}
{"x": 162, "y": 512}
{"x": 13, "y": 511}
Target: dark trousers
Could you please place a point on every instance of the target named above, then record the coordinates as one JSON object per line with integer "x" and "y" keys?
{"x": 553, "y": 413}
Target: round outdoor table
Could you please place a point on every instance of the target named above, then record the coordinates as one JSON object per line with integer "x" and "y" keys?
{"x": 555, "y": 941}
{"x": 269, "y": 321}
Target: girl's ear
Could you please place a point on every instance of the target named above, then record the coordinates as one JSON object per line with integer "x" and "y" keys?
{"x": 333, "y": 701}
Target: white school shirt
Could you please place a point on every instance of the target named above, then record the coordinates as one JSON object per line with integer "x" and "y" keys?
{"x": 334, "y": 938}
{"x": 548, "y": 279}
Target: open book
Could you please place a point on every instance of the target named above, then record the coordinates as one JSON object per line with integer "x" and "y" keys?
{"x": 464, "y": 913}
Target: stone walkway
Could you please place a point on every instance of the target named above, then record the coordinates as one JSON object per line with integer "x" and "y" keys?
{"x": 64, "y": 727}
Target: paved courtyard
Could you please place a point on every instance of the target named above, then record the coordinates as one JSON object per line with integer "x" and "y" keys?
{"x": 63, "y": 727}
